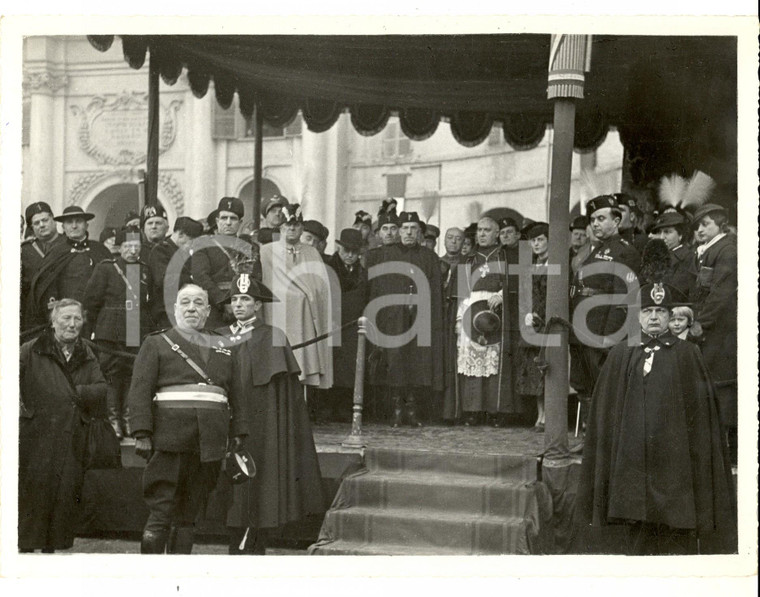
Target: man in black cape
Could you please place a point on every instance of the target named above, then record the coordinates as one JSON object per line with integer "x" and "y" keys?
{"x": 288, "y": 482}
{"x": 654, "y": 478}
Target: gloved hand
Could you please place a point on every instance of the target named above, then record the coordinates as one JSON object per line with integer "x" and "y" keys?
{"x": 144, "y": 447}
{"x": 236, "y": 444}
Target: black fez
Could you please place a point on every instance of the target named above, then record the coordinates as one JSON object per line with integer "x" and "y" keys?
{"x": 408, "y": 216}
{"x": 74, "y": 211}
{"x": 387, "y": 218}
{"x": 579, "y": 223}
{"x": 316, "y": 228}
{"x": 248, "y": 284}
{"x": 152, "y": 211}
{"x": 132, "y": 215}
{"x": 292, "y": 214}
{"x": 626, "y": 199}
{"x": 350, "y": 238}
{"x": 188, "y": 226}
{"x": 601, "y": 202}
{"x": 211, "y": 219}
{"x": 506, "y": 222}
{"x": 40, "y": 207}
{"x": 536, "y": 229}
{"x": 231, "y": 204}
{"x": 661, "y": 294}
{"x": 127, "y": 233}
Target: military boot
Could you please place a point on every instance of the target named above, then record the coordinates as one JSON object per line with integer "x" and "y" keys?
{"x": 153, "y": 542}
{"x": 112, "y": 403}
{"x": 181, "y": 540}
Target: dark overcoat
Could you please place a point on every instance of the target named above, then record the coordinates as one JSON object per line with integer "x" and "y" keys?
{"x": 653, "y": 449}
{"x": 203, "y": 431}
{"x": 715, "y": 302}
{"x": 158, "y": 262}
{"x": 412, "y": 364}
{"x": 288, "y": 482}
{"x": 58, "y": 398}
{"x": 33, "y": 251}
{"x": 106, "y": 296}
{"x": 353, "y": 299}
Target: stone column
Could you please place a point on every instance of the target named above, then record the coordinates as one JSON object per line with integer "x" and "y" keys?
{"x": 200, "y": 161}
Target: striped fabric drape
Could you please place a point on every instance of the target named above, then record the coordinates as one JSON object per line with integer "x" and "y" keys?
{"x": 569, "y": 59}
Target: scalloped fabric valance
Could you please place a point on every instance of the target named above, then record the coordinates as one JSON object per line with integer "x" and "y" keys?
{"x": 644, "y": 86}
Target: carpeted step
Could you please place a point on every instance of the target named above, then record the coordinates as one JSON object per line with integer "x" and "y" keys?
{"x": 496, "y": 466}
{"x": 419, "y": 528}
{"x": 467, "y": 494}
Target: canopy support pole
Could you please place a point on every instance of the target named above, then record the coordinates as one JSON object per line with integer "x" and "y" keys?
{"x": 556, "y": 446}
{"x": 258, "y": 131}
{"x": 151, "y": 186}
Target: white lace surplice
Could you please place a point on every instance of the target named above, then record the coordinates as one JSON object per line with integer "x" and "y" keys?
{"x": 473, "y": 359}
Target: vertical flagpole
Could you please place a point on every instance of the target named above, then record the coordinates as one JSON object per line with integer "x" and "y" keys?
{"x": 567, "y": 64}
{"x": 151, "y": 186}
{"x": 258, "y": 130}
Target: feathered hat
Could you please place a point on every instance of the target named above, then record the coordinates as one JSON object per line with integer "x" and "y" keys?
{"x": 678, "y": 194}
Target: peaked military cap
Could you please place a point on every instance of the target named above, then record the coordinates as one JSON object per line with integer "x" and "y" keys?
{"x": 231, "y": 204}
{"x": 273, "y": 201}
{"x": 74, "y": 211}
{"x": 407, "y": 217}
{"x": 432, "y": 231}
{"x": 601, "y": 202}
{"x": 40, "y": 207}
{"x": 248, "y": 284}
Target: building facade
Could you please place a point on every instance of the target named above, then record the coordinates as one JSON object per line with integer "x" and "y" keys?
{"x": 85, "y": 139}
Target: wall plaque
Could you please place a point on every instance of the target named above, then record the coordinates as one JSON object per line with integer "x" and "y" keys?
{"x": 114, "y": 130}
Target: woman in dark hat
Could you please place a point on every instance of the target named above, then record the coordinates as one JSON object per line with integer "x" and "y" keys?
{"x": 530, "y": 381}
{"x": 672, "y": 228}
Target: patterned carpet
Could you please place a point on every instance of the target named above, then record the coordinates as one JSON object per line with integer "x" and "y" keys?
{"x": 473, "y": 440}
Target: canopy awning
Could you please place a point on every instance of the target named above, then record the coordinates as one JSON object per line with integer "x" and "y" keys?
{"x": 671, "y": 98}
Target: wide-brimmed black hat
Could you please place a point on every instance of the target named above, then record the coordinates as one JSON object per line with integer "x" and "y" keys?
{"x": 248, "y": 284}
{"x": 350, "y": 239}
{"x": 484, "y": 324}
{"x": 39, "y": 207}
{"x": 74, "y": 211}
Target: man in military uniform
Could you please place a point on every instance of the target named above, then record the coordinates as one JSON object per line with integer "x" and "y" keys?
{"x": 155, "y": 225}
{"x": 630, "y": 215}
{"x": 185, "y": 231}
{"x": 414, "y": 367}
{"x": 213, "y": 267}
{"x": 184, "y": 405}
{"x": 605, "y": 320}
{"x": 116, "y": 303}
{"x": 39, "y": 218}
{"x": 271, "y": 211}
{"x": 67, "y": 268}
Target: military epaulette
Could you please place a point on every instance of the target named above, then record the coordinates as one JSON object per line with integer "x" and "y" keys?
{"x": 625, "y": 242}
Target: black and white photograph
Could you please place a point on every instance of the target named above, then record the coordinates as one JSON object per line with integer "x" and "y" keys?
{"x": 447, "y": 292}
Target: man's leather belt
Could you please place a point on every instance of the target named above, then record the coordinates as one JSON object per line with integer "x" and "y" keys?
{"x": 191, "y": 396}
{"x": 586, "y": 291}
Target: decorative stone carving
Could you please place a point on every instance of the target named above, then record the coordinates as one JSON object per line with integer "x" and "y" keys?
{"x": 114, "y": 130}
{"x": 35, "y": 81}
{"x": 83, "y": 184}
{"x": 172, "y": 190}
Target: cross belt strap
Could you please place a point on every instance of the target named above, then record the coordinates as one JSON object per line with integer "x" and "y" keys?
{"x": 175, "y": 347}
